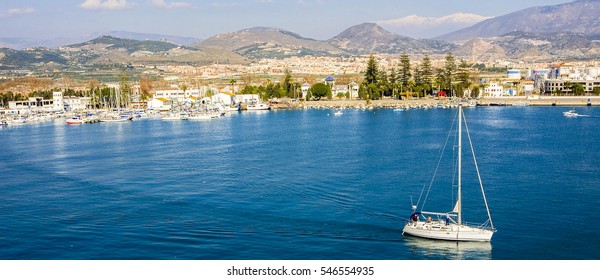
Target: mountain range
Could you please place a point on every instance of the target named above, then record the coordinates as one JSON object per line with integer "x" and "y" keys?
{"x": 575, "y": 17}
{"x": 566, "y": 31}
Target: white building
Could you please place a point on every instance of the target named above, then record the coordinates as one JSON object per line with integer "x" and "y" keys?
{"x": 177, "y": 94}
{"x": 165, "y": 99}
{"x": 493, "y": 90}
{"x": 528, "y": 88}
{"x": 353, "y": 89}
{"x": 58, "y": 103}
{"x": 305, "y": 88}
{"x": 33, "y": 104}
{"x": 221, "y": 98}
{"x": 161, "y": 104}
{"x": 340, "y": 90}
{"x": 514, "y": 74}
{"x": 73, "y": 103}
{"x": 246, "y": 98}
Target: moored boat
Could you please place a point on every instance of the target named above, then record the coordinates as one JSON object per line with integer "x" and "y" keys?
{"x": 258, "y": 106}
{"x": 75, "y": 120}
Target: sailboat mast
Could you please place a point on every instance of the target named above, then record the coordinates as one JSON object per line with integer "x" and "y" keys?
{"x": 459, "y": 201}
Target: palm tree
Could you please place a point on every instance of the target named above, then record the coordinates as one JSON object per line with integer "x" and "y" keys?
{"x": 232, "y": 83}
{"x": 184, "y": 88}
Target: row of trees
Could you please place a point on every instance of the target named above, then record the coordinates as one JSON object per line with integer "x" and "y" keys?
{"x": 405, "y": 80}
{"x": 105, "y": 97}
{"x": 575, "y": 89}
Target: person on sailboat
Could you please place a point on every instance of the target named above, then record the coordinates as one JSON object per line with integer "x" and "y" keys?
{"x": 447, "y": 219}
{"x": 414, "y": 218}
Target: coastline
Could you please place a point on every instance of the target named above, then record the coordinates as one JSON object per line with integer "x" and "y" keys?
{"x": 569, "y": 101}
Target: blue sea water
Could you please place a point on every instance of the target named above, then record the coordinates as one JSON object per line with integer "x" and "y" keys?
{"x": 295, "y": 185}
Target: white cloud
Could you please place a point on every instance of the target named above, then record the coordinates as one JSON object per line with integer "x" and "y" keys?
{"x": 224, "y": 5}
{"x": 172, "y": 5}
{"x": 414, "y": 20}
{"x": 20, "y": 11}
{"x": 310, "y": 2}
{"x": 105, "y": 5}
{"x": 16, "y": 12}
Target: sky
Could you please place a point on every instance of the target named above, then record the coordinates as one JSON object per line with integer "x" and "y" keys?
{"x": 316, "y": 19}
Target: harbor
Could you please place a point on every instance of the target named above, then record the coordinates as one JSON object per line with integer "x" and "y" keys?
{"x": 8, "y": 117}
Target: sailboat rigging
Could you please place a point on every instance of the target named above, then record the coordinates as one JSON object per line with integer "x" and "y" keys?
{"x": 450, "y": 225}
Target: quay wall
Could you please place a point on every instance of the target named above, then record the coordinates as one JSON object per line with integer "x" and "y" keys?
{"x": 488, "y": 101}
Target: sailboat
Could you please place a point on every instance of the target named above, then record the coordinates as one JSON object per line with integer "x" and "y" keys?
{"x": 450, "y": 225}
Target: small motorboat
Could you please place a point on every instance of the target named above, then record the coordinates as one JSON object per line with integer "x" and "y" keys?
{"x": 570, "y": 114}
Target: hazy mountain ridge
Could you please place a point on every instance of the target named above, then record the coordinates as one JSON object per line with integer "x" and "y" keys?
{"x": 107, "y": 50}
{"x": 38, "y": 57}
{"x": 371, "y": 38}
{"x": 575, "y": 17}
{"x": 259, "y": 42}
{"x": 532, "y": 47}
{"x": 127, "y": 45}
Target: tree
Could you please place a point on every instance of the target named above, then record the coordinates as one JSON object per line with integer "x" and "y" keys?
{"x": 372, "y": 72}
{"x": 287, "y": 83}
{"x": 404, "y": 74}
{"x": 125, "y": 91}
{"x": 577, "y": 89}
{"x": 393, "y": 83}
{"x": 383, "y": 84}
{"x": 596, "y": 91}
{"x": 184, "y": 88}
{"x": 93, "y": 85}
{"x": 232, "y": 83}
{"x": 320, "y": 90}
{"x": 567, "y": 87}
{"x": 425, "y": 71}
{"x": 308, "y": 95}
{"x": 373, "y": 92}
{"x": 463, "y": 78}
{"x": 448, "y": 73}
{"x": 475, "y": 91}
{"x": 249, "y": 89}
{"x": 145, "y": 87}
{"x": 247, "y": 78}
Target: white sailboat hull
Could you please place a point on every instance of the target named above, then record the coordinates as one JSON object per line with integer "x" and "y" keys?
{"x": 453, "y": 232}
{"x": 260, "y": 106}
{"x": 201, "y": 117}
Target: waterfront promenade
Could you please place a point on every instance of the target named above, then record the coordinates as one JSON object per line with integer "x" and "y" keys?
{"x": 486, "y": 101}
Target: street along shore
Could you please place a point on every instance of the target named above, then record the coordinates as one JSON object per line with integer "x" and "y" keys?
{"x": 487, "y": 101}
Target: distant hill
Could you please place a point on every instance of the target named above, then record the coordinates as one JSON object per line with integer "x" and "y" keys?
{"x": 108, "y": 50}
{"x": 259, "y": 42}
{"x": 177, "y": 40}
{"x": 575, "y": 17}
{"x": 372, "y": 38}
{"x": 128, "y": 45}
{"x": 532, "y": 47}
{"x": 38, "y": 57}
{"x": 111, "y": 50}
